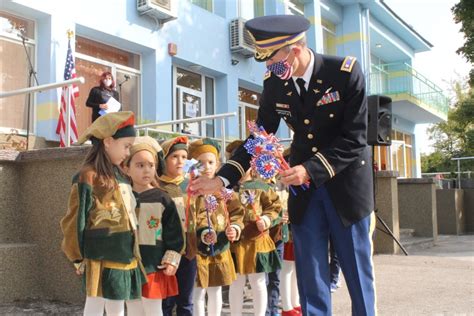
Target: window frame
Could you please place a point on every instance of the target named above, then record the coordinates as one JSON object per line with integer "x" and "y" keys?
{"x": 30, "y": 42}
{"x": 117, "y": 67}
{"x": 176, "y": 112}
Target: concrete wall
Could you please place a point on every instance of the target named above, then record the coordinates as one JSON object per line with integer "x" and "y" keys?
{"x": 469, "y": 209}
{"x": 387, "y": 206}
{"x": 450, "y": 210}
{"x": 10, "y": 231}
{"x": 17, "y": 254}
{"x": 417, "y": 206}
{"x": 32, "y": 262}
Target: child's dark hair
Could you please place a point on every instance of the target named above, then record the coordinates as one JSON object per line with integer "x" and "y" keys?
{"x": 98, "y": 161}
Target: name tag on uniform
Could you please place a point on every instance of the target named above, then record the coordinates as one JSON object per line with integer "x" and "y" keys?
{"x": 284, "y": 112}
{"x": 282, "y": 106}
{"x": 329, "y": 98}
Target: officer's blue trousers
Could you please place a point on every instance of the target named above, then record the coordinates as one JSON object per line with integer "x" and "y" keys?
{"x": 353, "y": 246}
{"x": 334, "y": 266}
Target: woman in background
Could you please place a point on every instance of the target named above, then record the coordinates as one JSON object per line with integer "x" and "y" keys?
{"x": 98, "y": 96}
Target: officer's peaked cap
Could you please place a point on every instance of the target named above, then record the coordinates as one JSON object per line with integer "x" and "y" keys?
{"x": 272, "y": 32}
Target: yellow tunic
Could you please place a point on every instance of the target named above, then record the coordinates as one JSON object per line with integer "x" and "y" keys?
{"x": 255, "y": 251}
{"x": 217, "y": 270}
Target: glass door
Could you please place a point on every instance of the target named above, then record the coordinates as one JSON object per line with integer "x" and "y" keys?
{"x": 397, "y": 154}
{"x": 190, "y": 106}
{"x": 128, "y": 86}
{"x": 91, "y": 72}
{"x": 246, "y": 112}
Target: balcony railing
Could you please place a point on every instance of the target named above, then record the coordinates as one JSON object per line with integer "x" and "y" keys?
{"x": 399, "y": 79}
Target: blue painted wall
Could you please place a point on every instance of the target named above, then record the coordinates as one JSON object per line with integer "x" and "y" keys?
{"x": 202, "y": 39}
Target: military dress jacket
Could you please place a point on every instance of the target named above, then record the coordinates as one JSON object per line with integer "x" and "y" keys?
{"x": 330, "y": 136}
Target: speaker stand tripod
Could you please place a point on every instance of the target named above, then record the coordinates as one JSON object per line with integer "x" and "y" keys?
{"x": 386, "y": 229}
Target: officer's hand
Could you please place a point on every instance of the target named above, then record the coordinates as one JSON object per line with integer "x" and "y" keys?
{"x": 296, "y": 175}
{"x": 203, "y": 185}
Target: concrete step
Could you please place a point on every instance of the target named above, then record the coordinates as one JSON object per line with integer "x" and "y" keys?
{"x": 19, "y": 275}
{"x": 406, "y": 233}
{"x": 411, "y": 243}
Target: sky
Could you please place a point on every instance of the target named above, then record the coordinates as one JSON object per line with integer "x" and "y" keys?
{"x": 433, "y": 20}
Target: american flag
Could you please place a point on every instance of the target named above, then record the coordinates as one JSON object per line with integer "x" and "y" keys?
{"x": 282, "y": 69}
{"x": 69, "y": 73}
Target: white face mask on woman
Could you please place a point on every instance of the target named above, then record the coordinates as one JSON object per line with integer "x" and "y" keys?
{"x": 107, "y": 82}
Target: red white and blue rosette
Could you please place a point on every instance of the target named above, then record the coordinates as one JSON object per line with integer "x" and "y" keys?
{"x": 266, "y": 165}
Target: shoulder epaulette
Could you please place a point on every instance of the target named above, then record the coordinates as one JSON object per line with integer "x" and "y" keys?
{"x": 348, "y": 63}
{"x": 267, "y": 75}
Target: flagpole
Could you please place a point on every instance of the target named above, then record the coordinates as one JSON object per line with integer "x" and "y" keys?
{"x": 70, "y": 34}
{"x": 68, "y": 117}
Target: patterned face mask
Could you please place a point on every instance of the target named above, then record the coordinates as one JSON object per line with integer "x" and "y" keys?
{"x": 282, "y": 68}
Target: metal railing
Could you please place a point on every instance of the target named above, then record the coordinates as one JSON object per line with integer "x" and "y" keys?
{"x": 149, "y": 127}
{"x": 459, "y": 167}
{"x": 401, "y": 78}
{"x": 45, "y": 87}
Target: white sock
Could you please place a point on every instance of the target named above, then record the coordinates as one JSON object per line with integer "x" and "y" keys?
{"x": 295, "y": 295}
{"x": 286, "y": 289}
{"x": 151, "y": 306}
{"x": 236, "y": 295}
{"x": 214, "y": 300}
{"x": 259, "y": 291}
{"x": 114, "y": 307}
{"x": 199, "y": 301}
{"x": 94, "y": 306}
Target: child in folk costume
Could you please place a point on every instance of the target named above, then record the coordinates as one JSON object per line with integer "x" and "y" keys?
{"x": 100, "y": 225}
{"x": 279, "y": 234}
{"x": 290, "y": 300}
{"x": 218, "y": 222}
{"x": 255, "y": 252}
{"x": 160, "y": 234}
{"x": 172, "y": 180}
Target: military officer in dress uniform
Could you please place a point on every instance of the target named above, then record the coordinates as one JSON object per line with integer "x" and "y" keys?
{"x": 322, "y": 99}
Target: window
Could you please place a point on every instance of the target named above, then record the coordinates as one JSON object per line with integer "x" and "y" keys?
{"x": 258, "y": 8}
{"x": 15, "y": 70}
{"x": 249, "y": 9}
{"x": 194, "y": 98}
{"x": 248, "y": 108}
{"x": 92, "y": 59}
{"x": 329, "y": 37}
{"x": 205, "y": 4}
{"x": 398, "y": 156}
{"x": 245, "y": 10}
{"x": 378, "y": 76}
{"x": 295, "y": 7}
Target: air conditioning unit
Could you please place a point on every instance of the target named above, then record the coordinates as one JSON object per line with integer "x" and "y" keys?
{"x": 241, "y": 42}
{"x": 162, "y": 10}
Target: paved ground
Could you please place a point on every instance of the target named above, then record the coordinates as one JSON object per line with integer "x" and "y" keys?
{"x": 437, "y": 280}
{"x": 431, "y": 281}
